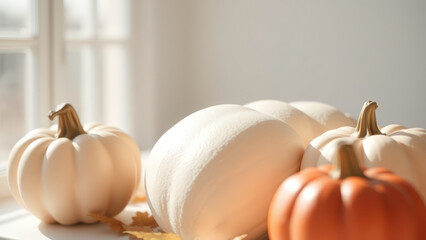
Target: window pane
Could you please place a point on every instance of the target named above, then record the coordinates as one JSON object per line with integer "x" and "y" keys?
{"x": 113, "y": 18}
{"x": 79, "y": 15}
{"x": 117, "y": 89}
{"x": 17, "y": 18}
{"x": 13, "y": 69}
{"x": 82, "y": 88}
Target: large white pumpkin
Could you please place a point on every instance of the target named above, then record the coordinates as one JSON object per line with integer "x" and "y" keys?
{"x": 213, "y": 174}
{"x": 308, "y": 118}
{"x": 63, "y": 178}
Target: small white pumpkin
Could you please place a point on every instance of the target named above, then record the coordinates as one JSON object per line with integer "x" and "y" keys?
{"x": 309, "y": 119}
{"x": 214, "y": 173}
{"x": 399, "y": 149}
{"x": 64, "y": 178}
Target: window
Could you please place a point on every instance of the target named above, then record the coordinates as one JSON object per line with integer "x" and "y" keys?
{"x": 76, "y": 51}
{"x": 97, "y": 74}
{"x": 20, "y": 63}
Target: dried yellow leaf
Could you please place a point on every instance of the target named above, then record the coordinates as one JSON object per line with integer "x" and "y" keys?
{"x": 114, "y": 224}
{"x": 153, "y": 236}
{"x": 143, "y": 227}
{"x": 142, "y": 219}
{"x": 140, "y": 229}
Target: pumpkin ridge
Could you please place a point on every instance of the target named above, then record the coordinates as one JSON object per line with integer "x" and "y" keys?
{"x": 179, "y": 162}
{"x": 292, "y": 185}
{"x": 355, "y": 191}
{"x": 412, "y": 156}
{"x": 411, "y": 196}
{"x": 88, "y": 180}
{"x": 30, "y": 180}
{"x": 390, "y": 182}
{"x": 127, "y": 140}
{"x": 314, "y": 177}
{"x": 107, "y": 211}
{"x": 328, "y": 137}
{"x": 322, "y": 190}
{"x": 78, "y": 203}
{"x": 118, "y": 141}
{"x": 199, "y": 141}
{"x": 229, "y": 145}
{"x": 51, "y": 193}
{"x": 408, "y": 132}
{"x": 15, "y": 158}
{"x": 408, "y": 147}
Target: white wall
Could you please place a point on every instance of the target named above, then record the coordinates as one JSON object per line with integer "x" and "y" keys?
{"x": 197, "y": 53}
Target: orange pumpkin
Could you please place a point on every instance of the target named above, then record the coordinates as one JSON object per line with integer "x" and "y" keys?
{"x": 342, "y": 201}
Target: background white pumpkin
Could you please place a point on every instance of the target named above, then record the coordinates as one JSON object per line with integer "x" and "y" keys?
{"x": 326, "y": 115}
{"x": 309, "y": 119}
{"x": 213, "y": 174}
{"x": 65, "y": 178}
{"x": 397, "y": 148}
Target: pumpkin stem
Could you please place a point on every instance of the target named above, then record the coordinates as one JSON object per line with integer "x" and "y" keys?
{"x": 346, "y": 164}
{"x": 69, "y": 125}
{"x": 367, "y": 123}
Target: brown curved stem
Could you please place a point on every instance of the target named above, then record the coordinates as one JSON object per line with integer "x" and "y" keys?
{"x": 69, "y": 125}
{"x": 367, "y": 123}
{"x": 346, "y": 164}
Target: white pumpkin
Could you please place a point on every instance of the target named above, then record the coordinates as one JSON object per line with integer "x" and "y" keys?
{"x": 399, "y": 149}
{"x": 66, "y": 177}
{"x": 309, "y": 119}
{"x": 213, "y": 174}
{"x": 326, "y": 115}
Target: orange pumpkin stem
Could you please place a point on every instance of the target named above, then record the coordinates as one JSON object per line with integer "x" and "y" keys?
{"x": 69, "y": 125}
{"x": 346, "y": 164}
{"x": 367, "y": 123}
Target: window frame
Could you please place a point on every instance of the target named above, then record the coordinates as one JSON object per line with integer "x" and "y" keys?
{"x": 38, "y": 99}
{"x": 37, "y": 89}
{"x": 96, "y": 43}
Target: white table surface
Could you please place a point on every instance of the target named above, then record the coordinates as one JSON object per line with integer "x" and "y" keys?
{"x": 17, "y": 223}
